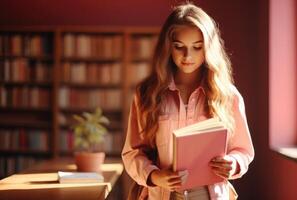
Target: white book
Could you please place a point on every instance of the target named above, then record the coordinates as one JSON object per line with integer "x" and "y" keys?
{"x": 211, "y": 124}
{"x": 69, "y": 45}
{"x": 80, "y": 177}
{"x": 83, "y": 45}
{"x": 64, "y": 94}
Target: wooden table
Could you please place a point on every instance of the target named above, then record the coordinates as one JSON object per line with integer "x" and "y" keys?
{"x": 41, "y": 182}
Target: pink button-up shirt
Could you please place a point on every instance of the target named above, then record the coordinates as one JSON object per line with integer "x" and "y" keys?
{"x": 174, "y": 116}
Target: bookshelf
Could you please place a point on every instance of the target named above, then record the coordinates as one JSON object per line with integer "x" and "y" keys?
{"x": 49, "y": 73}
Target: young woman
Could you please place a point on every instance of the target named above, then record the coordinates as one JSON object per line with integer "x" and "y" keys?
{"x": 191, "y": 81}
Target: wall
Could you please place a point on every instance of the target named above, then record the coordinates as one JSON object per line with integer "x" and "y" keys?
{"x": 244, "y": 27}
{"x": 88, "y": 12}
{"x": 274, "y": 177}
{"x": 282, "y": 73}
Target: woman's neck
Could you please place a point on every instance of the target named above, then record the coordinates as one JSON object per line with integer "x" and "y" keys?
{"x": 188, "y": 80}
{"x": 187, "y": 83}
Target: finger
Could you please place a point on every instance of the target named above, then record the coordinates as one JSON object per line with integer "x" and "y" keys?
{"x": 222, "y": 170}
{"x": 174, "y": 181}
{"x": 171, "y": 189}
{"x": 216, "y": 169}
{"x": 221, "y": 174}
{"x": 172, "y": 176}
{"x": 221, "y": 161}
{"x": 225, "y": 167}
{"x": 220, "y": 164}
{"x": 224, "y": 174}
{"x": 178, "y": 174}
{"x": 175, "y": 187}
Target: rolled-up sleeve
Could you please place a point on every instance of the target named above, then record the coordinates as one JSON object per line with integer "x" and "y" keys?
{"x": 240, "y": 145}
{"x": 135, "y": 159}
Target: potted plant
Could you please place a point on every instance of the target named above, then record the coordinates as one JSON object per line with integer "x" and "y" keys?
{"x": 89, "y": 131}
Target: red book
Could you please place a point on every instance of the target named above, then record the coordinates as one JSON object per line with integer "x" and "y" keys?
{"x": 193, "y": 148}
{"x": 23, "y": 139}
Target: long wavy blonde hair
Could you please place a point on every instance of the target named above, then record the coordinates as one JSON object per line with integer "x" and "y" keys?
{"x": 217, "y": 70}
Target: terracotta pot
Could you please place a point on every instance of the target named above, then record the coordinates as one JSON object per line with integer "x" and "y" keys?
{"x": 89, "y": 162}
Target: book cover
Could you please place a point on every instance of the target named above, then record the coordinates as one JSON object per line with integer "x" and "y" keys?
{"x": 193, "y": 148}
{"x": 80, "y": 177}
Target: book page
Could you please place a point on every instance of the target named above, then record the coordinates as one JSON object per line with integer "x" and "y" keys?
{"x": 209, "y": 124}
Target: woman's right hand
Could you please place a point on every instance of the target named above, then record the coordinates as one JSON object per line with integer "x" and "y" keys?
{"x": 168, "y": 179}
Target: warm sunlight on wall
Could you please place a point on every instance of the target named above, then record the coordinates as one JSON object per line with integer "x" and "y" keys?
{"x": 283, "y": 73}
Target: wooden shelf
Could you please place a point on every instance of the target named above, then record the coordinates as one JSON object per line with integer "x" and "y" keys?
{"x": 26, "y": 124}
{"x": 91, "y": 59}
{"x": 111, "y": 127}
{"x": 54, "y": 60}
{"x": 39, "y": 58}
{"x": 139, "y": 60}
{"x": 80, "y": 110}
{"x": 108, "y": 154}
{"x": 27, "y": 29}
{"x": 24, "y": 152}
{"x": 26, "y": 83}
{"x": 91, "y": 85}
{"x": 23, "y": 109}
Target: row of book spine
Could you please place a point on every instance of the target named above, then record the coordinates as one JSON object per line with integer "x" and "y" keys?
{"x": 138, "y": 71}
{"x": 23, "y": 139}
{"x": 91, "y": 73}
{"x": 99, "y": 46}
{"x": 33, "y": 97}
{"x": 109, "y": 99}
{"x": 85, "y": 58}
{"x": 112, "y": 142}
{"x": 66, "y": 119}
{"x": 142, "y": 47}
{"x": 75, "y": 45}
{"x": 12, "y": 165}
{"x": 22, "y": 70}
{"x": 26, "y": 45}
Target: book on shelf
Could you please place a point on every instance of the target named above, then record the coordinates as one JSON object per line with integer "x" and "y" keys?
{"x": 96, "y": 46}
{"x": 109, "y": 99}
{"x": 193, "y": 148}
{"x": 93, "y": 65}
{"x": 83, "y": 49}
{"x": 20, "y": 70}
{"x": 84, "y": 73}
{"x": 139, "y": 71}
{"x": 19, "y": 139}
{"x": 12, "y": 165}
{"x": 142, "y": 47}
{"x": 80, "y": 177}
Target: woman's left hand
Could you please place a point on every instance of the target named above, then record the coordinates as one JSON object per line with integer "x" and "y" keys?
{"x": 224, "y": 166}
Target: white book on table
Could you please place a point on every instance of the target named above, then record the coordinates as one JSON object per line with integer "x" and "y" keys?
{"x": 80, "y": 177}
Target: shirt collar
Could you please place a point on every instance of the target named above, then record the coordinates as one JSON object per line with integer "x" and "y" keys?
{"x": 172, "y": 85}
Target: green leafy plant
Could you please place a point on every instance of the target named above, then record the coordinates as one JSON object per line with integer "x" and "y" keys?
{"x": 89, "y": 130}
